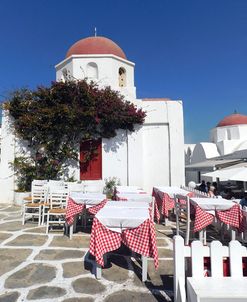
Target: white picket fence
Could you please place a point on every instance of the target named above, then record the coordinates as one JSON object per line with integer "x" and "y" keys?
{"x": 196, "y": 192}
{"x": 197, "y": 251}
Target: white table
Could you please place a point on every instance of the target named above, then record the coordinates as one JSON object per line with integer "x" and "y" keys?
{"x": 211, "y": 289}
{"x": 171, "y": 191}
{"x": 120, "y": 215}
{"x": 89, "y": 199}
{"x": 211, "y": 205}
{"x": 127, "y": 204}
{"x": 129, "y": 189}
{"x": 134, "y": 197}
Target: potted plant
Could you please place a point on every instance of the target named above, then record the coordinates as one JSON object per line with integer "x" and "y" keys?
{"x": 110, "y": 184}
{"x": 25, "y": 173}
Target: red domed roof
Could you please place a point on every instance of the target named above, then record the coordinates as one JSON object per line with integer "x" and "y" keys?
{"x": 233, "y": 119}
{"x": 95, "y": 45}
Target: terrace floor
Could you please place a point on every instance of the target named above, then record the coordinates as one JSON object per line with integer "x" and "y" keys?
{"x": 39, "y": 267}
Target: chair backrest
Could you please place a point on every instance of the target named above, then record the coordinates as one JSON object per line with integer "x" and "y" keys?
{"x": 75, "y": 187}
{"x": 39, "y": 193}
{"x": 58, "y": 198}
{"x": 55, "y": 183}
{"x": 197, "y": 251}
{"x": 182, "y": 206}
{"x": 39, "y": 182}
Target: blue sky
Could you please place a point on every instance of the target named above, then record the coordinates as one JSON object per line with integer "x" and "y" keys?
{"x": 192, "y": 50}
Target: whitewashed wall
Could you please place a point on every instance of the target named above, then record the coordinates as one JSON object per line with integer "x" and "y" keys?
{"x": 167, "y": 118}
{"x": 114, "y": 157}
{"x": 204, "y": 151}
{"x": 7, "y": 157}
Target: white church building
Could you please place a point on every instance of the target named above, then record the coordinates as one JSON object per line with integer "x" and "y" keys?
{"x": 153, "y": 155}
{"x": 227, "y": 146}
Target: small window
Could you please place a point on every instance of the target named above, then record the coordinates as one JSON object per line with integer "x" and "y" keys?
{"x": 92, "y": 70}
{"x": 122, "y": 77}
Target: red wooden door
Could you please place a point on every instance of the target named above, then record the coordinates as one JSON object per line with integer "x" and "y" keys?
{"x": 91, "y": 170}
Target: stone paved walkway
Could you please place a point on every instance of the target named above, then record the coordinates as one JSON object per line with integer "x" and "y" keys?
{"x": 39, "y": 267}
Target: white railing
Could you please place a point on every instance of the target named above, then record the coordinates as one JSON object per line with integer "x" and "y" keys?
{"x": 196, "y": 252}
{"x": 195, "y": 191}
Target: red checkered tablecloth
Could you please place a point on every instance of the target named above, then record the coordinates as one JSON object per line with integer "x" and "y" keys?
{"x": 165, "y": 202}
{"x": 74, "y": 208}
{"x": 141, "y": 240}
{"x": 95, "y": 209}
{"x": 232, "y": 217}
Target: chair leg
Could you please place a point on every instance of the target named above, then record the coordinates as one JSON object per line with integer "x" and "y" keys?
{"x": 71, "y": 231}
{"x": 144, "y": 268}
{"x": 188, "y": 222}
{"x": 47, "y": 223}
{"x": 43, "y": 215}
{"x": 177, "y": 217}
{"x": 40, "y": 215}
{"x": 23, "y": 215}
{"x": 98, "y": 272}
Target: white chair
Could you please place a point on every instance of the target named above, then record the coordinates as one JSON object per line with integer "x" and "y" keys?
{"x": 35, "y": 183}
{"x": 34, "y": 207}
{"x": 243, "y": 235}
{"x": 56, "y": 183}
{"x": 39, "y": 182}
{"x": 57, "y": 211}
{"x": 198, "y": 282}
{"x": 182, "y": 211}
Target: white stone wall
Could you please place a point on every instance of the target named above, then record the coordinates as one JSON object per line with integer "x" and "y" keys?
{"x": 228, "y": 146}
{"x": 135, "y": 158}
{"x": 114, "y": 157}
{"x": 165, "y": 121}
{"x": 203, "y": 151}
{"x": 7, "y": 157}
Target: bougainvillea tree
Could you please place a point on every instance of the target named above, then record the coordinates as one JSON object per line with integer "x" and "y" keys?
{"x": 54, "y": 120}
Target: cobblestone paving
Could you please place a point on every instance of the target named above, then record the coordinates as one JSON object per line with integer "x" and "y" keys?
{"x": 39, "y": 267}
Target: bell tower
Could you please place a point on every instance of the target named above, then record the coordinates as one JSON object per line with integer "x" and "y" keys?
{"x": 101, "y": 60}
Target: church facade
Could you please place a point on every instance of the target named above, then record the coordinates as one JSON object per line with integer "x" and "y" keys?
{"x": 227, "y": 140}
{"x": 150, "y": 156}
